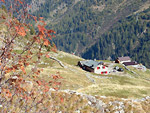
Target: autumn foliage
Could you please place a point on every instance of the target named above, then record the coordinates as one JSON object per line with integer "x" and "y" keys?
{"x": 22, "y": 90}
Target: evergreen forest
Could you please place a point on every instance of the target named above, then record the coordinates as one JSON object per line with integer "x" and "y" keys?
{"x": 101, "y": 29}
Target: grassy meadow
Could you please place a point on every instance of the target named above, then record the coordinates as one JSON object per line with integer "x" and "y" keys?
{"x": 123, "y": 85}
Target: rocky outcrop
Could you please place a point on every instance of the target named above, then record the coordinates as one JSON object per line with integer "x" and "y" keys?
{"x": 113, "y": 105}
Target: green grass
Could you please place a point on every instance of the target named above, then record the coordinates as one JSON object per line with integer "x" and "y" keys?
{"x": 125, "y": 93}
{"x": 74, "y": 78}
{"x": 107, "y": 61}
{"x": 69, "y": 60}
{"x": 18, "y": 51}
{"x": 123, "y": 85}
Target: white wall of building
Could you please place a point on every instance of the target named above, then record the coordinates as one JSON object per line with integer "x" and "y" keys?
{"x": 125, "y": 61}
{"x": 101, "y": 69}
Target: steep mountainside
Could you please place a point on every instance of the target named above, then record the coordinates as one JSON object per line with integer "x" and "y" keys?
{"x": 84, "y": 91}
{"x": 77, "y": 90}
{"x": 131, "y": 37}
{"x": 80, "y": 24}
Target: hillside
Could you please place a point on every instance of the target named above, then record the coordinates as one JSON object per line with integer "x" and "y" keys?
{"x": 108, "y": 91}
{"x": 108, "y": 85}
{"x": 81, "y": 24}
{"x": 81, "y": 91}
{"x": 130, "y": 37}
{"x": 35, "y": 80}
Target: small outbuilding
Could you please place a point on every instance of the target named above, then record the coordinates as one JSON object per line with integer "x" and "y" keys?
{"x": 93, "y": 66}
{"x": 130, "y": 63}
{"x": 123, "y": 59}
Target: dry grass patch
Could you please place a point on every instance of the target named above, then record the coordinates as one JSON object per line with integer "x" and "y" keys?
{"x": 71, "y": 80}
{"x": 74, "y": 78}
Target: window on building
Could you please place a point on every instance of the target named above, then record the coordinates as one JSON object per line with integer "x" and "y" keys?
{"x": 103, "y": 67}
{"x": 98, "y": 67}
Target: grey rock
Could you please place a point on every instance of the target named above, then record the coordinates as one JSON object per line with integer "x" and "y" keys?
{"x": 89, "y": 103}
{"x": 115, "y": 108}
{"x": 148, "y": 97}
{"x": 91, "y": 98}
{"x": 122, "y": 111}
{"x": 99, "y": 106}
{"x": 143, "y": 99}
{"x": 107, "y": 110}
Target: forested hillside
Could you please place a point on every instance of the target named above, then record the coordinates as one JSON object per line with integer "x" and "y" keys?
{"x": 36, "y": 77}
{"x": 98, "y": 28}
{"x": 130, "y": 37}
{"x": 79, "y": 23}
